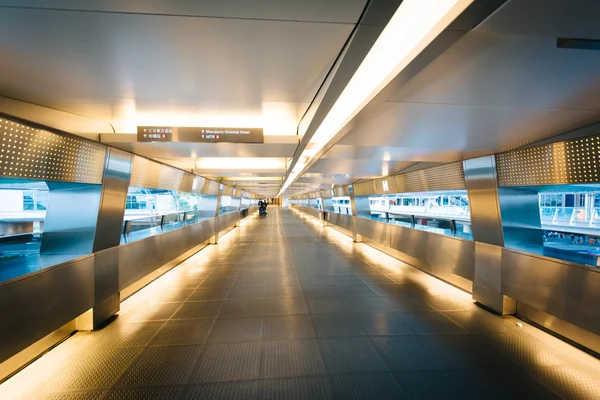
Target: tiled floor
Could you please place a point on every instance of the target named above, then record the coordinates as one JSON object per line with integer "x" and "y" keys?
{"x": 285, "y": 309}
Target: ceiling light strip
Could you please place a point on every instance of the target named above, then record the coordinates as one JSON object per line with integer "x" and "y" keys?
{"x": 413, "y": 27}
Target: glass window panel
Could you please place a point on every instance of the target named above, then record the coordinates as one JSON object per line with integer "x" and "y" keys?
{"x": 437, "y": 212}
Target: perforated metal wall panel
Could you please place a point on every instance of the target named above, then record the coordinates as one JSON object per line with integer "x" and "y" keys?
{"x": 574, "y": 161}
{"x": 29, "y": 152}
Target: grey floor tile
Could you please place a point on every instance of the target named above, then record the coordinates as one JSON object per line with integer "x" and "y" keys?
{"x": 443, "y": 303}
{"x": 152, "y": 312}
{"x": 460, "y": 385}
{"x": 256, "y": 292}
{"x": 183, "y": 332}
{"x": 479, "y": 321}
{"x": 199, "y": 310}
{"x": 408, "y": 304}
{"x": 326, "y": 305}
{"x": 128, "y": 334}
{"x": 315, "y": 291}
{"x": 223, "y": 391}
{"x": 350, "y": 291}
{"x": 276, "y": 292}
{"x": 291, "y": 358}
{"x": 225, "y": 273}
{"x": 400, "y": 290}
{"x": 243, "y": 308}
{"x": 366, "y": 387}
{"x": 336, "y": 325}
{"x": 432, "y": 323}
{"x": 96, "y": 369}
{"x": 229, "y": 362}
{"x": 415, "y": 353}
{"x": 250, "y": 282}
{"x": 217, "y": 282}
{"x": 237, "y": 330}
{"x": 216, "y": 294}
{"x": 367, "y": 304}
{"x": 313, "y": 388}
{"x": 146, "y": 393}
{"x": 346, "y": 280}
{"x": 172, "y": 296}
{"x": 286, "y": 306}
{"x": 162, "y": 365}
{"x": 94, "y": 395}
{"x": 344, "y": 355}
{"x": 383, "y": 324}
{"x": 288, "y": 327}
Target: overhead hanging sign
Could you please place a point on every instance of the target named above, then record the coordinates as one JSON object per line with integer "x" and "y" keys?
{"x": 201, "y": 134}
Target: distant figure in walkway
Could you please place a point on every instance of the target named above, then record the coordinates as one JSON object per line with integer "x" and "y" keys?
{"x": 262, "y": 207}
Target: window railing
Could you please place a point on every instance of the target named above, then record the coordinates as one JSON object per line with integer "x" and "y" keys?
{"x": 570, "y": 216}
{"x": 458, "y": 227}
{"x": 139, "y": 228}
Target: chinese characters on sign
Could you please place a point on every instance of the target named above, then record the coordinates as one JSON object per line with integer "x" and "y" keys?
{"x": 199, "y": 134}
{"x": 153, "y": 134}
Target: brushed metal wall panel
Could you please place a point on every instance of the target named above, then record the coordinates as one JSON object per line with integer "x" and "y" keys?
{"x": 572, "y": 161}
{"x": 558, "y": 288}
{"x": 446, "y": 257}
{"x": 151, "y": 174}
{"x": 563, "y": 328}
{"x": 71, "y": 218}
{"x": 147, "y": 173}
{"x": 38, "y": 304}
{"x": 138, "y": 259}
{"x": 341, "y": 220}
{"x": 32, "y": 153}
{"x": 115, "y": 185}
{"x": 520, "y": 212}
{"x": 378, "y": 232}
{"x": 210, "y": 187}
{"x": 341, "y": 191}
{"x": 444, "y": 177}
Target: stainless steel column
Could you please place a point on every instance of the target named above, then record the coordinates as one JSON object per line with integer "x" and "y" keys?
{"x": 115, "y": 185}
{"x": 215, "y": 238}
{"x": 482, "y": 187}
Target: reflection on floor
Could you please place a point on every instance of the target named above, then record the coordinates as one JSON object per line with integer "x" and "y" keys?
{"x": 283, "y": 308}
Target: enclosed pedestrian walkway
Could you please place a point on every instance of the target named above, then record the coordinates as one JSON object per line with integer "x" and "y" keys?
{"x": 285, "y": 308}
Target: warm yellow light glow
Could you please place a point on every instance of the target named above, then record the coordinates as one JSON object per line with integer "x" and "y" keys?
{"x": 276, "y": 118}
{"x": 415, "y": 25}
{"x": 198, "y": 119}
{"x": 242, "y": 163}
{"x": 253, "y": 178}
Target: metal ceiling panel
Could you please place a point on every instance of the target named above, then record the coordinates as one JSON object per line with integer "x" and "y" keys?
{"x": 464, "y": 130}
{"x": 117, "y": 63}
{"x": 335, "y": 11}
{"x": 507, "y": 70}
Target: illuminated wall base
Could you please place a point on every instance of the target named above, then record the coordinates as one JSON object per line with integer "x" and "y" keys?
{"x": 566, "y": 330}
{"x": 26, "y": 356}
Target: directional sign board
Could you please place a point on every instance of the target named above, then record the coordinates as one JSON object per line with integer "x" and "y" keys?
{"x": 202, "y": 134}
